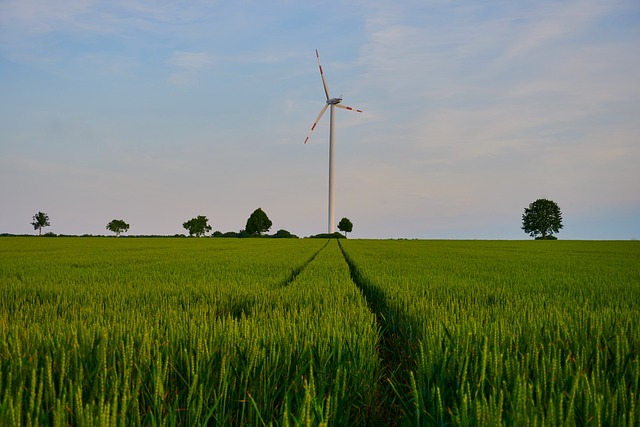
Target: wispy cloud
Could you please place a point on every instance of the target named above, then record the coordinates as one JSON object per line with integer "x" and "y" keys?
{"x": 37, "y": 16}
{"x": 43, "y": 16}
{"x": 188, "y": 65}
{"x": 192, "y": 61}
{"x": 470, "y": 108}
{"x": 525, "y": 91}
{"x": 554, "y": 22}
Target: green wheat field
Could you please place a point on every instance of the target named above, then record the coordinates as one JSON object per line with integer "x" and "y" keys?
{"x": 252, "y": 332}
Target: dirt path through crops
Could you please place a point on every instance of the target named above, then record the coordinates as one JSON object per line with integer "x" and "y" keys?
{"x": 392, "y": 350}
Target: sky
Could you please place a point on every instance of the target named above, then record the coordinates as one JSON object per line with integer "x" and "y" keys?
{"x": 157, "y": 111}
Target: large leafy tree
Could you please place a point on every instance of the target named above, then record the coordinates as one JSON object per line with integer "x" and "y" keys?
{"x": 542, "y": 218}
{"x": 258, "y": 223}
{"x": 197, "y": 226}
{"x": 118, "y": 226}
{"x": 40, "y": 220}
{"x": 345, "y": 226}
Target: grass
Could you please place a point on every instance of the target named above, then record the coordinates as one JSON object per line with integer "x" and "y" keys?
{"x": 120, "y": 332}
{"x": 520, "y": 333}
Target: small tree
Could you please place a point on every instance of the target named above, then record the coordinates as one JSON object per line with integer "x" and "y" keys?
{"x": 258, "y": 223}
{"x": 40, "y": 220}
{"x": 345, "y": 226}
{"x": 542, "y": 217}
{"x": 118, "y": 226}
{"x": 197, "y": 226}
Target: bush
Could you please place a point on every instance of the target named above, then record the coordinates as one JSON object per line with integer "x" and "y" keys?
{"x": 232, "y": 234}
{"x": 335, "y": 235}
{"x": 284, "y": 234}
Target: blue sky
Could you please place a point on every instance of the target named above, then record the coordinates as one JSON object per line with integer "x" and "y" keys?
{"x": 158, "y": 111}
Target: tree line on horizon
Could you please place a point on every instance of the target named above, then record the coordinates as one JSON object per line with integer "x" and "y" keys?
{"x": 540, "y": 220}
{"x": 257, "y": 224}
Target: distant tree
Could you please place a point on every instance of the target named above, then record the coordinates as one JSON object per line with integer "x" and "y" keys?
{"x": 258, "y": 223}
{"x": 40, "y": 220}
{"x": 345, "y": 225}
{"x": 118, "y": 226}
{"x": 542, "y": 218}
{"x": 197, "y": 226}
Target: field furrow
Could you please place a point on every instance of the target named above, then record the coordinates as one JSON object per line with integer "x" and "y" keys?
{"x": 169, "y": 331}
{"x": 394, "y": 347}
{"x": 509, "y": 333}
{"x": 125, "y": 332}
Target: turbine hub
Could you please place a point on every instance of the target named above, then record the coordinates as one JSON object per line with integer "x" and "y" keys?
{"x": 334, "y": 101}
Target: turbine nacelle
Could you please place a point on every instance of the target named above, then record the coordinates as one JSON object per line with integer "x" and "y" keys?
{"x": 333, "y": 102}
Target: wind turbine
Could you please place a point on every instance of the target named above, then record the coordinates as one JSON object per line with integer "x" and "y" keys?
{"x": 333, "y": 102}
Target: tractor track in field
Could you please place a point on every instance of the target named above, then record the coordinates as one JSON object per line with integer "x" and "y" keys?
{"x": 243, "y": 308}
{"x": 392, "y": 349}
{"x": 296, "y": 271}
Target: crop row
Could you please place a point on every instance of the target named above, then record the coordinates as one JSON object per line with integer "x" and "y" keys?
{"x": 232, "y": 334}
{"x": 516, "y": 333}
{"x": 117, "y": 332}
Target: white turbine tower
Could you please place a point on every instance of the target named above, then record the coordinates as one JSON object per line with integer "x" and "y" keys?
{"x": 333, "y": 102}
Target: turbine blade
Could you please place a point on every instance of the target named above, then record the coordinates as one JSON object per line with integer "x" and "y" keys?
{"x": 348, "y": 108}
{"x": 324, "y": 82}
{"x": 316, "y": 122}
